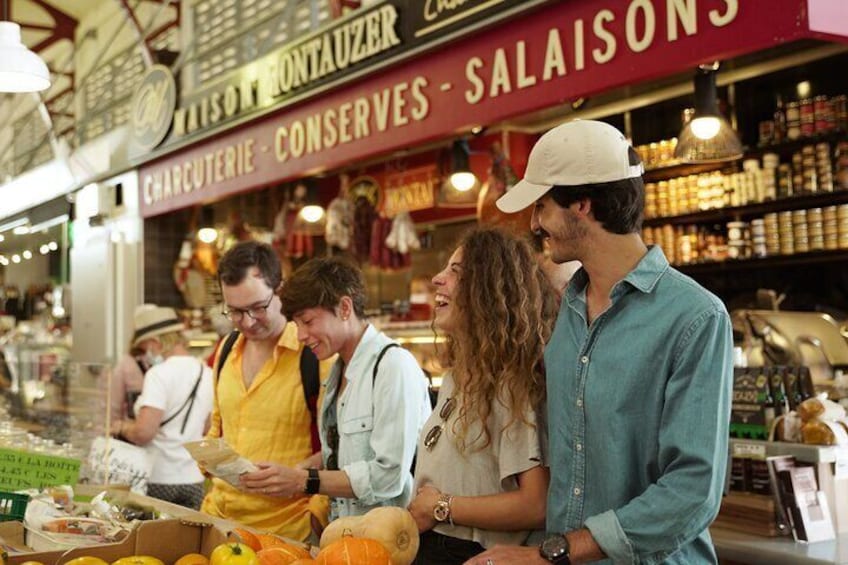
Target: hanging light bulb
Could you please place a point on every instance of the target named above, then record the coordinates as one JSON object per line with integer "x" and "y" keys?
{"x": 21, "y": 70}
{"x": 707, "y": 137}
{"x": 461, "y": 178}
{"x": 207, "y": 235}
{"x": 312, "y": 213}
{"x": 16, "y": 258}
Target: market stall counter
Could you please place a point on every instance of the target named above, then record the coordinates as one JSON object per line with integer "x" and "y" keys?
{"x": 737, "y": 547}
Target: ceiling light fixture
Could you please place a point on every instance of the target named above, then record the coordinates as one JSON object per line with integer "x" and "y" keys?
{"x": 58, "y": 220}
{"x": 21, "y": 230}
{"x": 707, "y": 137}
{"x": 461, "y": 178}
{"x": 14, "y": 224}
{"x": 21, "y": 70}
{"x": 312, "y": 213}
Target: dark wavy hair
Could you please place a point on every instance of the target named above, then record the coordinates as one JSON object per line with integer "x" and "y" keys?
{"x": 506, "y": 309}
{"x": 619, "y": 205}
{"x": 321, "y": 283}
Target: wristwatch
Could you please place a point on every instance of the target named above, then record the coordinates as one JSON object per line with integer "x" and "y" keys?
{"x": 313, "y": 482}
{"x": 555, "y": 549}
{"x": 442, "y": 509}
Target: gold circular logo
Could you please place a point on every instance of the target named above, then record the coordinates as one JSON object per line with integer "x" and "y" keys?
{"x": 152, "y": 108}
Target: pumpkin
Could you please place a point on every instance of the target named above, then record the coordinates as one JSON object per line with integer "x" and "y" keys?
{"x": 395, "y": 528}
{"x": 354, "y": 551}
{"x": 284, "y": 554}
{"x": 87, "y": 560}
{"x": 339, "y": 527}
{"x": 246, "y": 537}
{"x": 270, "y": 540}
{"x": 309, "y": 561}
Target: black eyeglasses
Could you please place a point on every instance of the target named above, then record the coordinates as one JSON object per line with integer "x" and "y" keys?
{"x": 333, "y": 441}
{"x": 434, "y": 434}
{"x": 254, "y": 312}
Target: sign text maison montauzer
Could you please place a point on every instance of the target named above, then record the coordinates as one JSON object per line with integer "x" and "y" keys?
{"x": 355, "y": 43}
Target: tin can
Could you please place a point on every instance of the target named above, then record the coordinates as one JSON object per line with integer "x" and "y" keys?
{"x": 823, "y": 114}
{"x": 839, "y": 107}
{"x": 793, "y": 120}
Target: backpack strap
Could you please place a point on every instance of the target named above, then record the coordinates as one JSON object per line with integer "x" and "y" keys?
{"x": 310, "y": 378}
{"x": 226, "y": 347}
{"x": 380, "y": 358}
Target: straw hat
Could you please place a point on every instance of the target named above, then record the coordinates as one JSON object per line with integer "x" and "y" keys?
{"x": 151, "y": 321}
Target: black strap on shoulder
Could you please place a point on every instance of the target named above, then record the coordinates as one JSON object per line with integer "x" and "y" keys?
{"x": 225, "y": 352}
{"x": 310, "y": 378}
{"x": 188, "y": 402}
{"x": 380, "y": 358}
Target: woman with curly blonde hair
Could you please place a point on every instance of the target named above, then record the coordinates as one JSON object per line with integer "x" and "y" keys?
{"x": 480, "y": 476}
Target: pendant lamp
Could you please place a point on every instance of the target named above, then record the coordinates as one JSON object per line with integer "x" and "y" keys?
{"x": 461, "y": 178}
{"x": 707, "y": 137}
{"x": 21, "y": 70}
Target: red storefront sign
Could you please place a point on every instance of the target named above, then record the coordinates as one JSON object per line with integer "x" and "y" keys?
{"x": 562, "y": 52}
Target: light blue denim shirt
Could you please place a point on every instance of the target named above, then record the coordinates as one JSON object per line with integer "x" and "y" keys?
{"x": 378, "y": 427}
{"x": 638, "y": 408}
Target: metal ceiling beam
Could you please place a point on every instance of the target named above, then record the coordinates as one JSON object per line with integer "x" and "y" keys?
{"x": 129, "y": 15}
{"x": 64, "y": 26}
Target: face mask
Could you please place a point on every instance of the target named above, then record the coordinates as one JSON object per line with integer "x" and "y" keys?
{"x": 152, "y": 359}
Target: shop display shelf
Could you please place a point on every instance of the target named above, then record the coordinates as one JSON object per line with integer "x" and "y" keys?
{"x": 799, "y": 202}
{"x": 800, "y": 451}
{"x": 799, "y": 259}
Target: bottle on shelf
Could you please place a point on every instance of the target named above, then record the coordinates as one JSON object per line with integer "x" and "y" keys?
{"x": 779, "y": 132}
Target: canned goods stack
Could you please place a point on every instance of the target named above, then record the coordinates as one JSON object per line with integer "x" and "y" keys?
{"x": 658, "y": 154}
{"x": 785, "y": 233}
{"x": 830, "y": 228}
{"x": 772, "y": 234}
{"x": 841, "y": 162}
{"x": 738, "y": 239}
{"x": 799, "y": 231}
{"x": 842, "y": 226}
{"x": 805, "y": 118}
{"x": 815, "y": 229}
{"x": 758, "y": 238}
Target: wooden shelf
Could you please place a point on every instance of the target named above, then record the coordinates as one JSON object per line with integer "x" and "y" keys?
{"x": 799, "y": 259}
{"x": 804, "y": 201}
{"x": 789, "y": 147}
{"x": 666, "y": 172}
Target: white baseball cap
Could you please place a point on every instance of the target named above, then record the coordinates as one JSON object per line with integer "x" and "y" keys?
{"x": 572, "y": 154}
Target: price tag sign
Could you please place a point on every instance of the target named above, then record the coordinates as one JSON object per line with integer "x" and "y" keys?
{"x": 841, "y": 470}
{"x": 750, "y": 450}
{"x": 23, "y": 469}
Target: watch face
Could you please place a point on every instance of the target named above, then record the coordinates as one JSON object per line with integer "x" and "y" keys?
{"x": 554, "y": 547}
{"x": 441, "y": 511}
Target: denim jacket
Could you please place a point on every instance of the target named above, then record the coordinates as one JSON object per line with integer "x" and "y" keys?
{"x": 378, "y": 427}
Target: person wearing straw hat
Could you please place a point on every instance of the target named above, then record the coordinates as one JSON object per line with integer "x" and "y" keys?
{"x": 127, "y": 377}
{"x": 639, "y": 368}
{"x": 173, "y": 408}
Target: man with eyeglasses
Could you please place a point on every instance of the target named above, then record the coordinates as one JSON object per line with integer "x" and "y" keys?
{"x": 260, "y": 406}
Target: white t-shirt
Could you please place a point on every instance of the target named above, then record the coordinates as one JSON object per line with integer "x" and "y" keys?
{"x": 167, "y": 386}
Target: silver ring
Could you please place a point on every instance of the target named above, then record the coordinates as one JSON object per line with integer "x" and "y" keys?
{"x": 490, "y": 562}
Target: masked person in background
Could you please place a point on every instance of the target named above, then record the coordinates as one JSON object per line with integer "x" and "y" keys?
{"x": 127, "y": 377}
{"x": 375, "y": 404}
{"x": 173, "y": 408}
{"x": 262, "y": 405}
{"x": 639, "y": 368}
{"x": 481, "y": 478}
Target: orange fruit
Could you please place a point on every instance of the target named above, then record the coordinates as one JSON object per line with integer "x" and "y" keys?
{"x": 284, "y": 554}
{"x": 248, "y": 538}
{"x": 192, "y": 559}
{"x": 269, "y": 540}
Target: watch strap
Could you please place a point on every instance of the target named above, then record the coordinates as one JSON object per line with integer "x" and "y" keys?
{"x": 313, "y": 482}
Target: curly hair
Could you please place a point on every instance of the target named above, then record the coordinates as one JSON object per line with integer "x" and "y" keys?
{"x": 506, "y": 309}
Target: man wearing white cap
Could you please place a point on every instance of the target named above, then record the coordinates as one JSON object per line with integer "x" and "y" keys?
{"x": 639, "y": 368}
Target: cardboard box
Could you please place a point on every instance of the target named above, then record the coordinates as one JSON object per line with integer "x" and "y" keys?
{"x": 166, "y": 539}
